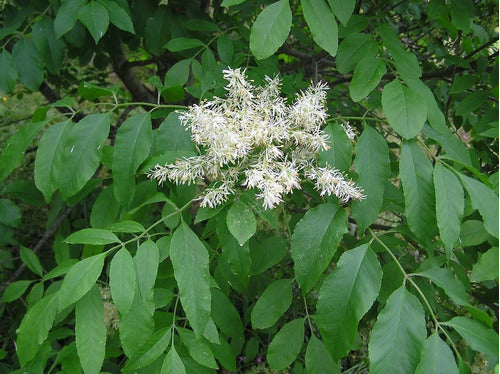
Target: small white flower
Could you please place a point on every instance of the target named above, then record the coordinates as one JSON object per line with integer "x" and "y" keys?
{"x": 330, "y": 181}
{"x": 214, "y": 196}
{"x": 270, "y": 193}
{"x": 348, "y": 130}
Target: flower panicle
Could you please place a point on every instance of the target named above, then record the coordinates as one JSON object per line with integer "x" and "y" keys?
{"x": 254, "y": 139}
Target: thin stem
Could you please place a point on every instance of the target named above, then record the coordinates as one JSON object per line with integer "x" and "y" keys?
{"x": 173, "y": 319}
{"x": 307, "y": 316}
{"x": 417, "y": 288}
{"x": 146, "y": 231}
{"x": 143, "y": 103}
{"x": 356, "y": 118}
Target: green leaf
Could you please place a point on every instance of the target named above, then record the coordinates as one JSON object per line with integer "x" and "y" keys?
{"x": 10, "y": 214}
{"x": 343, "y": 9}
{"x": 60, "y": 269}
{"x": 49, "y": 161}
{"x": 150, "y": 350}
{"x": 274, "y": 301}
{"x": 132, "y": 145}
{"x": 196, "y": 24}
{"x": 462, "y": 14}
{"x": 437, "y": 357}
{"x": 314, "y": 242}
{"x": 210, "y": 333}
{"x": 146, "y": 263}
{"x": 90, "y": 331}
{"x": 472, "y": 102}
{"x": 82, "y": 153}
{"x": 434, "y": 114}
{"x": 173, "y": 363}
{"x": 15, "y": 290}
{"x": 340, "y": 153}
{"x": 105, "y": 210}
{"x": 472, "y": 233}
{"x": 190, "y": 262}
{"x": 404, "y": 109}
{"x": 172, "y": 136}
{"x": 452, "y": 287}
{"x": 397, "y": 337}
{"x": 30, "y": 259}
{"x": 346, "y": 295}
{"x": 354, "y": 48}
{"x": 318, "y": 359}
{"x": 418, "y": 187}
{"x": 137, "y": 326}
{"x": 270, "y": 29}
{"x": 373, "y": 167}
{"x": 323, "y": 27}
{"x": 286, "y": 345}
{"x": 198, "y": 348}
{"x": 92, "y": 236}
{"x": 486, "y": 267}
{"x": 127, "y": 226}
{"x": 80, "y": 279}
{"x": 122, "y": 280}
{"x": 51, "y": 48}
{"x": 449, "y": 205}
{"x": 366, "y": 77}
{"x": 8, "y": 73}
{"x": 14, "y": 149}
{"x": 406, "y": 63}
{"x": 235, "y": 255}
{"x": 95, "y": 18}
{"x": 477, "y": 335}
{"x": 29, "y": 63}
{"x": 182, "y": 44}
{"x": 118, "y": 16}
{"x": 268, "y": 253}
{"x": 35, "y": 327}
{"x": 225, "y": 355}
{"x": 225, "y": 49}
{"x": 178, "y": 74}
{"x": 462, "y": 83}
{"x": 225, "y": 315}
{"x": 241, "y": 222}
{"x": 485, "y": 200}
{"x": 66, "y": 16}
{"x": 228, "y": 3}
{"x": 25, "y": 191}
{"x": 157, "y": 31}
{"x": 172, "y": 211}
{"x": 90, "y": 91}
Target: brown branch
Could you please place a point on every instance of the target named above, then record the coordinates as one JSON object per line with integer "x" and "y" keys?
{"x": 480, "y": 48}
{"x": 122, "y": 68}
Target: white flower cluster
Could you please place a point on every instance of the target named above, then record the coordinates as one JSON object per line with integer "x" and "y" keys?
{"x": 252, "y": 138}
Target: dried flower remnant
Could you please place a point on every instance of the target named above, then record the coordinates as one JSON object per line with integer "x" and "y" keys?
{"x": 252, "y": 138}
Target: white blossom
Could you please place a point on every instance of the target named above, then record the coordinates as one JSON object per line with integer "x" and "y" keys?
{"x": 330, "y": 181}
{"x": 348, "y": 130}
{"x": 254, "y": 139}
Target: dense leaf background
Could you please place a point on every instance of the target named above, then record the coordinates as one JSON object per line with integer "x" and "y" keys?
{"x": 102, "y": 270}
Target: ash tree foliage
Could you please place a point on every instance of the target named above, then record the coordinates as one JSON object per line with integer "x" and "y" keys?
{"x": 241, "y": 186}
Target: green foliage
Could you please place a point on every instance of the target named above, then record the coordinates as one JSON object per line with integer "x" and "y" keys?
{"x": 104, "y": 270}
